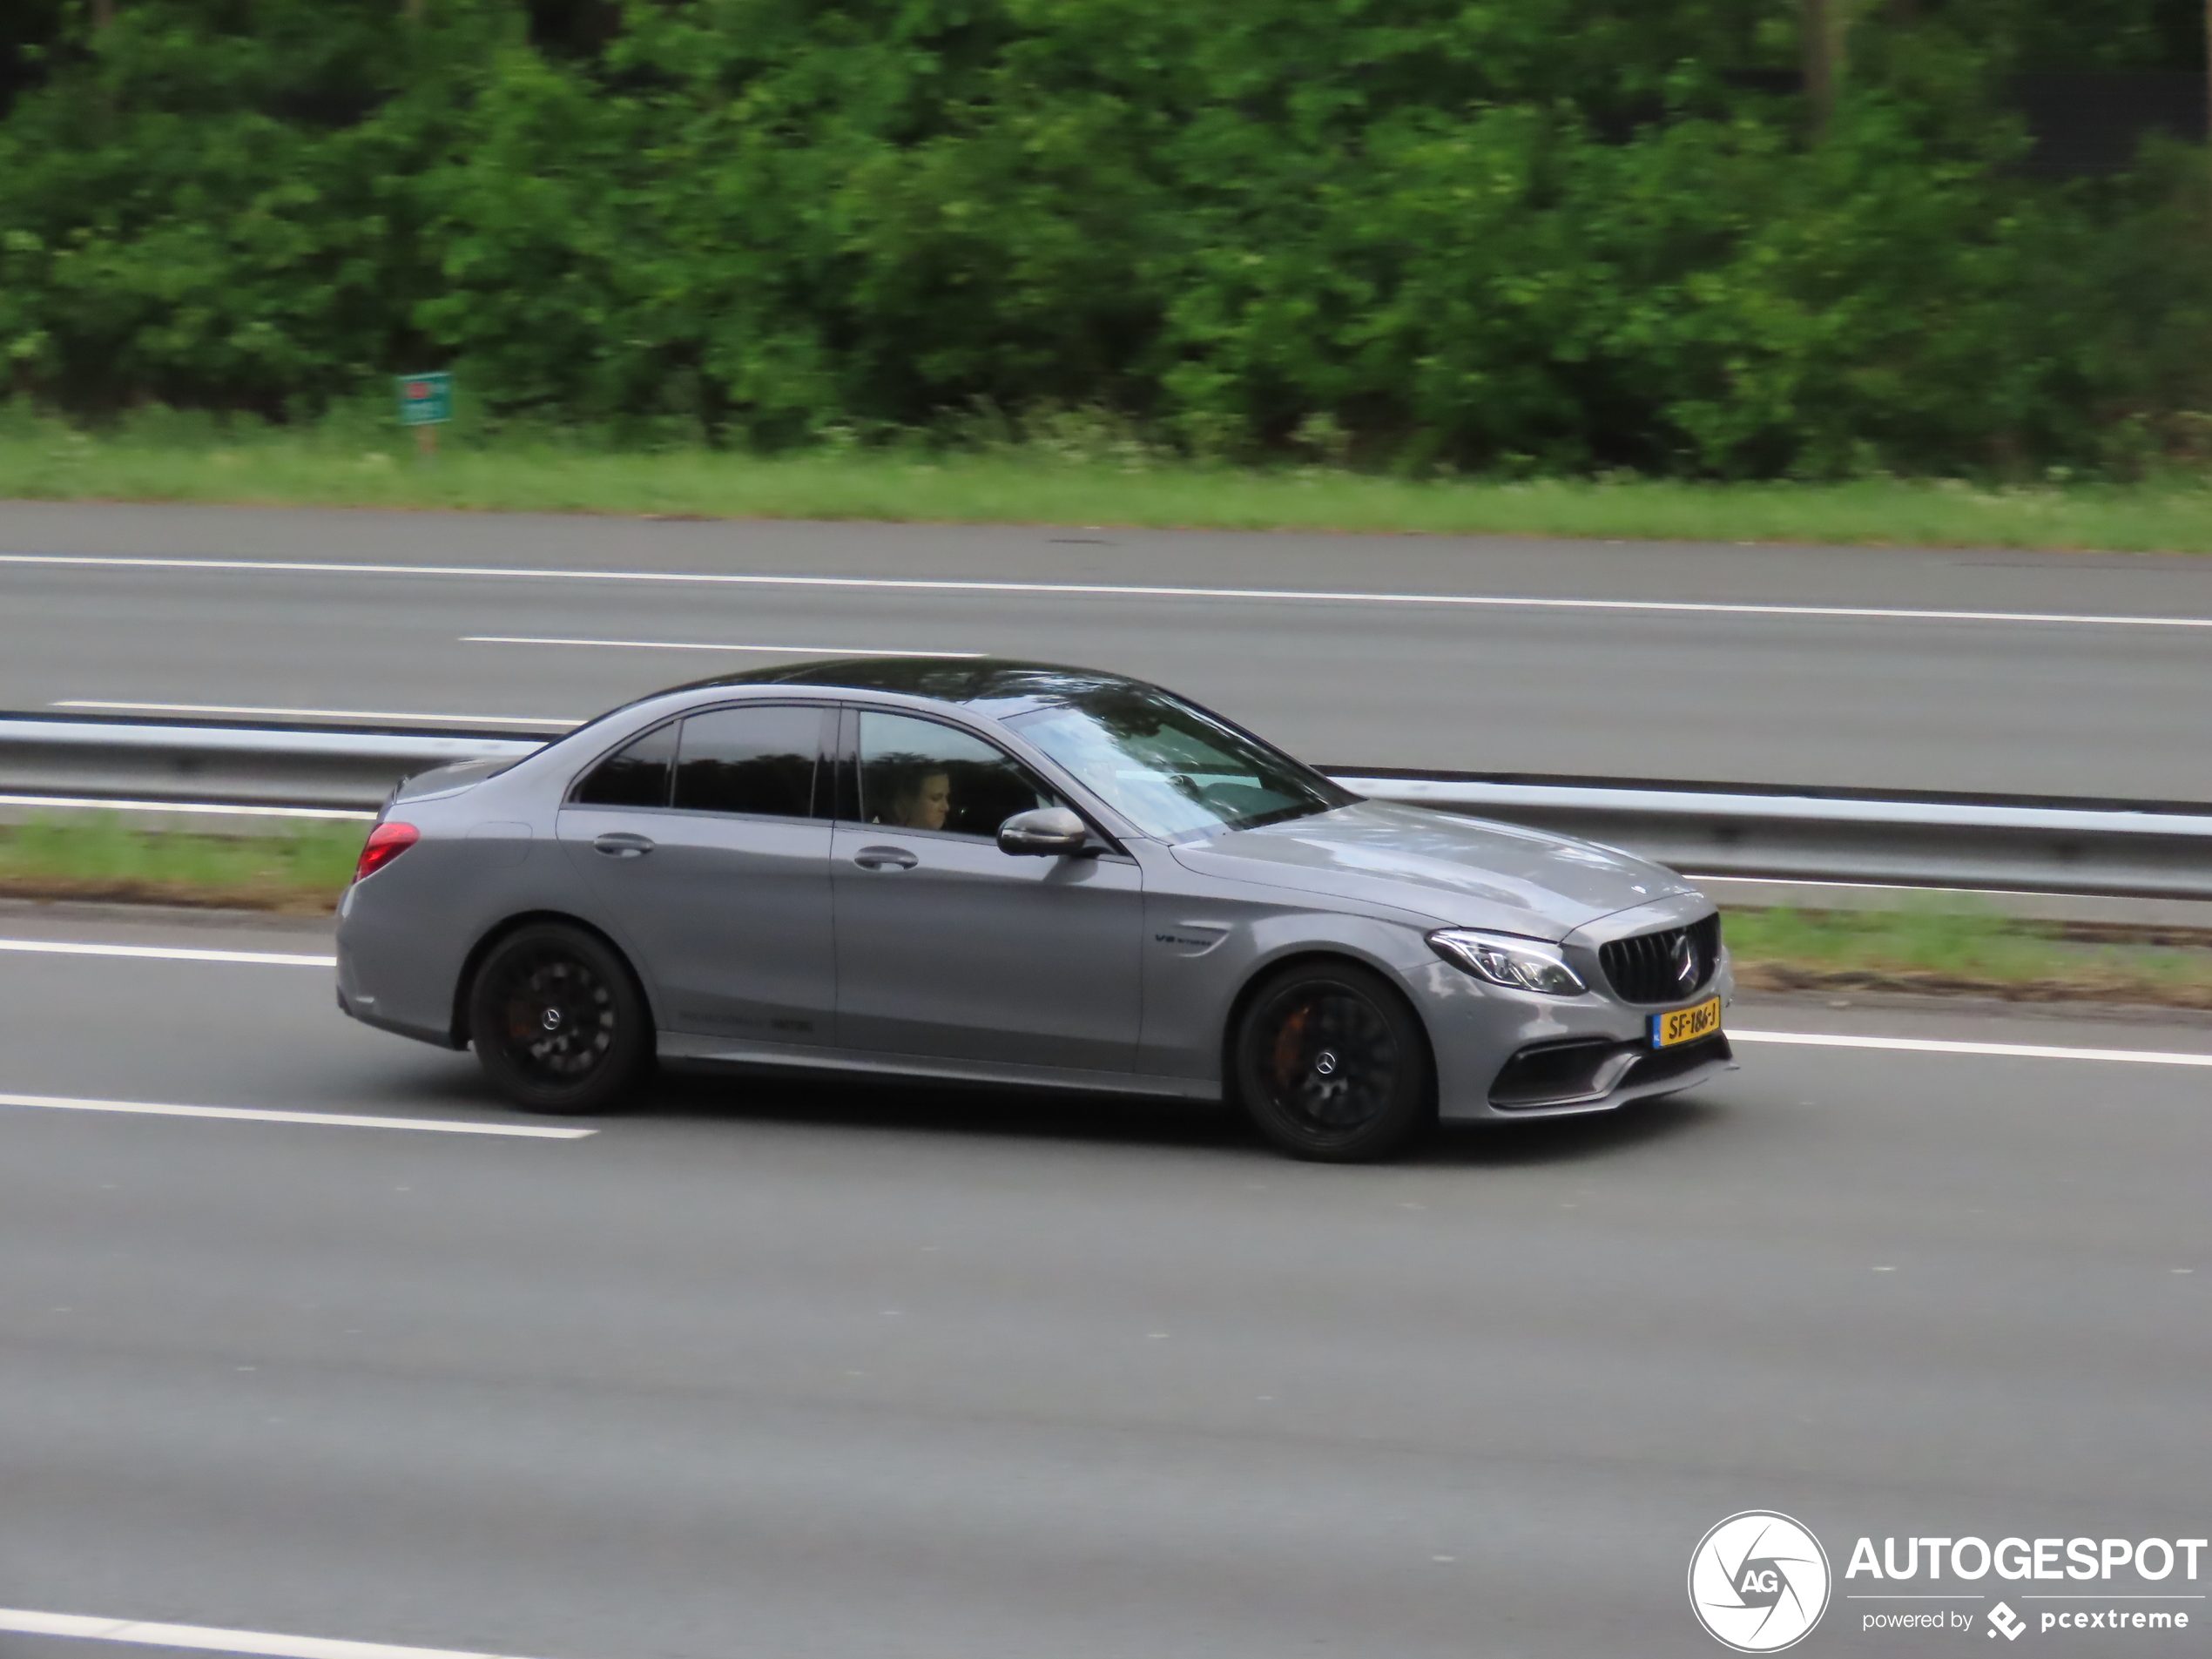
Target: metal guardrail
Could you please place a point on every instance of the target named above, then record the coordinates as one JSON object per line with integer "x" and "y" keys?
{"x": 230, "y": 762}
{"x": 2142, "y": 848}
{"x": 2147, "y": 848}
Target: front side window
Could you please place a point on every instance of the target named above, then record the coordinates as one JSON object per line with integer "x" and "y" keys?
{"x": 756, "y": 760}
{"x": 919, "y": 775}
{"x": 1172, "y": 769}
{"x": 635, "y": 775}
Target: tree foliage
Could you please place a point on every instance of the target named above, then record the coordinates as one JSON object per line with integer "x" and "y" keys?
{"x": 1521, "y": 233}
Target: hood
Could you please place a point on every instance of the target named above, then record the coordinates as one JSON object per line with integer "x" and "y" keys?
{"x": 1464, "y": 872}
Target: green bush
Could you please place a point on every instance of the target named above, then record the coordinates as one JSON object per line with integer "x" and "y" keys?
{"x": 1558, "y": 235}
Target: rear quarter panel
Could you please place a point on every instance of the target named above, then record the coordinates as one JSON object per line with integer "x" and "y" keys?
{"x": 405, "y": 934}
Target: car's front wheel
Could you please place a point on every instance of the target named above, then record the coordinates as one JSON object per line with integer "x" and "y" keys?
{"x": 557, "y": 1021}
{"x": 1330, "y": 1065}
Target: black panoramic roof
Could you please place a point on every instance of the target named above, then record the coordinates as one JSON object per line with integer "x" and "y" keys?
{"x": 947, "y": 679}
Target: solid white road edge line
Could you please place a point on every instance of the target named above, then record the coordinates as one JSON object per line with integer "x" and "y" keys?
{"x": 684, "y": 644}
{"x": 328, "y": 1120}
{"x": 1097, "y": 590}
{"x": 95, "y": 803}
{"x": 205, "y": 1639}
{"x": 2003, "y": 1050}
{"x": 313, "y": 714}
{"x": 168, "y": 953}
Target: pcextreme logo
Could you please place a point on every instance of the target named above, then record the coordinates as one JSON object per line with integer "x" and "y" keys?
{"x": 1758, "y": 1581}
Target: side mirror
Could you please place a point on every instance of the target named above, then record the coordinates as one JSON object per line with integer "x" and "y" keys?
{"x": 1043, "y": 832}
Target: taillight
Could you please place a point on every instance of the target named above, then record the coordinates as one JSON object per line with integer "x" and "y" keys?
{"x": 386, "y": 842}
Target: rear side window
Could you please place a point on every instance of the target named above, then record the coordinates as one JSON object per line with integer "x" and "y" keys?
{"x": 635, "y": 775}
{"x": 757, "y": 760}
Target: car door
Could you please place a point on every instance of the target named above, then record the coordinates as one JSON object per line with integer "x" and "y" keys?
{"x": 951, "y": 949}
{"x": 707, "y": 839}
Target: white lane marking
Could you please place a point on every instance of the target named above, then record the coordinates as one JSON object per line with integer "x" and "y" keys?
{"x": 1099, "y": 589}
{"x": 167, "y": 953}
{"x": 2005, "y": 1051}
{"x": 206, "y": 1639}
{"x": 96, "y": 803}
{"x": 255, "y": 1115}
{"x": 366, "y": 716}
{"x": 681, "y": 645}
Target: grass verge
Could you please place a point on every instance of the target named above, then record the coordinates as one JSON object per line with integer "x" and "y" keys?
{"x": 301, "y": 871}
{"x": 1946, "y": 953}
{"x": 1093, "y": 479}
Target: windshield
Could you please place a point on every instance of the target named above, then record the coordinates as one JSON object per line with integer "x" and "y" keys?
{"x": 1173, "y": 770}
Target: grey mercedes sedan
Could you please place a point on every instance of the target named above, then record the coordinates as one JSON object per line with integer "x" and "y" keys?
{"x": 1010, "y": 872}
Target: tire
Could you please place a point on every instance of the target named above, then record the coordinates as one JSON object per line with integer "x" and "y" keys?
{"x": 557, "y": 1021}
{"x": 1332, "y": 1065}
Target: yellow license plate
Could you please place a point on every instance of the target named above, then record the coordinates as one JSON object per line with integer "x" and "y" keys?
{"x": 1686, "y": 1025}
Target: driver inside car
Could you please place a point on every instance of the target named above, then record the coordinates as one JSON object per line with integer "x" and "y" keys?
{"x": 920, "y": 801}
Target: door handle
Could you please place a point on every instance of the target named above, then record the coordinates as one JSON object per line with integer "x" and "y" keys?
{"x": 875, "y": 857}
{"x": 623, "y": 844}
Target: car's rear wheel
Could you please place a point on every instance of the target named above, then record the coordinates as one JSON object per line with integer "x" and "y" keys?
{"x": 1330, "y": 1065}
{"x": 557, "y": 1021}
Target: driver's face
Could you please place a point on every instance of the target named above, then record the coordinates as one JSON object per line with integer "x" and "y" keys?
{"x": 931, "y": 804}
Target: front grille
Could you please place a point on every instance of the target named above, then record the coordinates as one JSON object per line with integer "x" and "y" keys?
{"x": 1649, "y": 968}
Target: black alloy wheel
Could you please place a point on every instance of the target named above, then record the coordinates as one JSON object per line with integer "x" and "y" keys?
{"x": 1332, "y": 1065}
{"x": 557, "y": 1021}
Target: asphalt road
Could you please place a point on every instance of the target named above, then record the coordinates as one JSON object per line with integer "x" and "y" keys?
{"x": 1393, "y": 672}
{"x": 814, "y": 1371}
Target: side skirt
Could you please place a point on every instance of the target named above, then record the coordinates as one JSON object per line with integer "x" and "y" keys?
{"x": 685, "y": 1048}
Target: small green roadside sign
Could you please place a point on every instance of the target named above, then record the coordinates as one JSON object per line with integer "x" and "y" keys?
{"x": 424, "y": 400}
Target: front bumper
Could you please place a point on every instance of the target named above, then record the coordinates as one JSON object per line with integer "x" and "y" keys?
{"x": 1503, "y": 1055}
{"x": 1593, "y": 1074}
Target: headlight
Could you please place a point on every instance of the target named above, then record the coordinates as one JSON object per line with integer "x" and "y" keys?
{"x": 1519, "y": 964}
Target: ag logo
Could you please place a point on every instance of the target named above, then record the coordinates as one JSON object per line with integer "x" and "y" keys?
{"x": 1758, "y": 1582}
